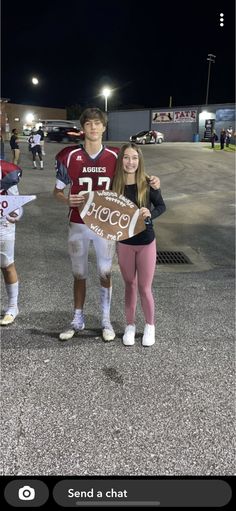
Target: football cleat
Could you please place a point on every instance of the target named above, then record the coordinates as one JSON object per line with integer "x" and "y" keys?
{"x": 76, "y": 325}
{"x": 108, "y": 333}
{"x": 9, "y": 317}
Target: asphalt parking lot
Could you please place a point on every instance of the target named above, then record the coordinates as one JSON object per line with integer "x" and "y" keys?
{"x": 88, "y": 408}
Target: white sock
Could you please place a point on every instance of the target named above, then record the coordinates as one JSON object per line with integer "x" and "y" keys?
{"x": 105, "y": 300}
{"x": 79, "y": 312}
{"x": 12, "y": 293}
{"x": 78, "y": 318}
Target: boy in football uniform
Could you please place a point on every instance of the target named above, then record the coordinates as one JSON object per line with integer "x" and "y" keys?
{"x": 10, "y": 175}
{"x": 88, "y": 167}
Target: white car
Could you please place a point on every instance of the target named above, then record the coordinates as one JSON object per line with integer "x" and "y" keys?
{"x": 27, "y": 131}
{"x": 147, "y": 137}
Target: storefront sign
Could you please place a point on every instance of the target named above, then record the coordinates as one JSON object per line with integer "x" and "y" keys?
{"x": 185, "y": 116}
{"x": 175, "y": 116}
{"x": 162, "y": 117}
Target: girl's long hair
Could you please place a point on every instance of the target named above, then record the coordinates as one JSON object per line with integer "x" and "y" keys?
{"x": 118, "y": 184}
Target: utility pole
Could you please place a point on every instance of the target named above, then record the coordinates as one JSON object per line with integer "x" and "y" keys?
{"x": 211, "y": 59}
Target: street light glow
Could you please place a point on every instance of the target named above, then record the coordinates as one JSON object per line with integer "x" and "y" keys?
{"x": 204, "y": 115}
{"x": 106, "y": 92}
{"x": 29, "y": 118}
{"x": 35, "y": 80}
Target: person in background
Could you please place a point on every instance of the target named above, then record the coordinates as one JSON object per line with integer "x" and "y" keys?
{"x": 153, "y": 135}
{"x": 74, "y": 166}
{"x": 2, "y": 150}
{"x": 34, "y": 141}
{"x": 137, "y": 255}
{"x": 229, "y": 133}
{"x": 41, "y": 133}
{"x": 10, "y": 176}
{"x": 214, "y": 138}
{"x": 14, "y": 143}
{"x": 222, "y": 138}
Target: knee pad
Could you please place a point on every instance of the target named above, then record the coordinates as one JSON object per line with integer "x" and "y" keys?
{"x": 79, "y": 259}
{"x": 5, "y": 260}
{"x": 104, "y": 267}
{"x": 7, "y": 253}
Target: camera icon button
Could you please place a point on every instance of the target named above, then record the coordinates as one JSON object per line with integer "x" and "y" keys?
{"x": 26, "y": 493}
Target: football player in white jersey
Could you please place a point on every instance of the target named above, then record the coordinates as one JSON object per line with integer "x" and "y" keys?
{"x": 85, "y": 168}
{"x": 10, "y": 175}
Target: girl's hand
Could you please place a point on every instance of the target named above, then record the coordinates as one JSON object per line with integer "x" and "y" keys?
{"x": 145, "y": 213}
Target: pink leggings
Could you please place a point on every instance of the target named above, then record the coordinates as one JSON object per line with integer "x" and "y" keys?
{"x": 137, "y": 264}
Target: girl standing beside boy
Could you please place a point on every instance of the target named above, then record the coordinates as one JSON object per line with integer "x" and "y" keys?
{"x": 137, "y": 255}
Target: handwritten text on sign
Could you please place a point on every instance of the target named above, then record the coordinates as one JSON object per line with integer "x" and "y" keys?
{"x": 111, "y": 216}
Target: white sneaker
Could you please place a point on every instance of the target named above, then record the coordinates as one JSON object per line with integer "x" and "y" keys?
{"x": 76, "y": 325}
{"x": 9, "y": 316}
{"x": 67, "y": 335}
{"x": 108, "y": 333}
{"x": 148, "y": 335}
{"x": 128, "y": 337}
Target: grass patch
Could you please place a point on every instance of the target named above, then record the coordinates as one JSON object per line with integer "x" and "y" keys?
{"x": 227, "y": 149}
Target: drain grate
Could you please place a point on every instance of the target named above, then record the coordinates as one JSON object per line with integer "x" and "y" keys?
{"x": 172, "y": 258}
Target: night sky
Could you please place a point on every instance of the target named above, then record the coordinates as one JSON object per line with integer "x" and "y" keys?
{"x": 145, "y": 54}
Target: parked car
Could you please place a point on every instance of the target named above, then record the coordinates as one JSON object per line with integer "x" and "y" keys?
{"x": 64, "y": 134}
{"x": 26, "y": 131}
{"x": 147, "y": 137}
{"x": 48, "y": 124}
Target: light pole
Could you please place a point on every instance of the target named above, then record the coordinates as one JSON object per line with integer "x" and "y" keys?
{"x": 211, "y": 59}
{"x": 106, "y": 92}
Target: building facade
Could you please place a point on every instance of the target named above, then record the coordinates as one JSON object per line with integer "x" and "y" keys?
{"x": 182, "y": 124}
{"x": 20, "y": 116}
{"x": 179, "y": 124}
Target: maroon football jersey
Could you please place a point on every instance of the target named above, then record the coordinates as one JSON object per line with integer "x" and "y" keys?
{"x": 10, "y": 175}
{"x": 83, "y": 173}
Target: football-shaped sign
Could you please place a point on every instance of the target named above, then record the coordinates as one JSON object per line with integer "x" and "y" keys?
{"x": 10, "y": 203}
{"x": 111, "y": 216}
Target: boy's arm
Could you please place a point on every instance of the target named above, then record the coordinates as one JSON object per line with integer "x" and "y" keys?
{"x": 60, "y": 196}
{"x": 72, "y": 200}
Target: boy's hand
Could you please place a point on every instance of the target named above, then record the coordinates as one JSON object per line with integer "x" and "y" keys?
{"x": 154, "y": 182}
{"x": 75, "y": 200}
{"x": 12, "y": 217}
